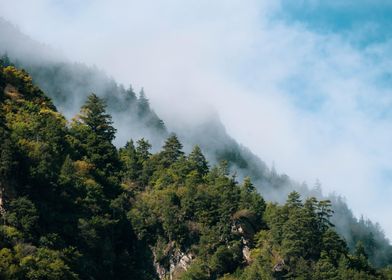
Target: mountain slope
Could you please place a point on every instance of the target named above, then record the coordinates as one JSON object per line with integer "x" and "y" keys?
{"x": 76, "y": 207}
{"x": 69, "y": 84}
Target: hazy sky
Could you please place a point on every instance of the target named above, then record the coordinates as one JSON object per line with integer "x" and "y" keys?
{"x": 307, "y": 85}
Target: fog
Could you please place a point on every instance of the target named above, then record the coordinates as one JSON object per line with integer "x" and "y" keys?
{"x": 312, "y": 103}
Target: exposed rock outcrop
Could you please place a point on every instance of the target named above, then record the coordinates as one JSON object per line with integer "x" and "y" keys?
{"x": 173, "y": 263}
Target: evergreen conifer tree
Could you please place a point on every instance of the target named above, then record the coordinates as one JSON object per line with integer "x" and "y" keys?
{"x": 131, "y": 164}
{"x": 94, "y": 133}
{"x": 197, "y": 161}
{"x": 143, "y": 104}
{"x": 171, "y": 151}
{"x": 93, "y": 114}
{"x": 143, "y": 150}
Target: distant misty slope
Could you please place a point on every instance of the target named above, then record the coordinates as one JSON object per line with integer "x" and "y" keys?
{"x": 212, "y": 137}
{"x": 68, "y": 84}
{"x": 20, "y": 46}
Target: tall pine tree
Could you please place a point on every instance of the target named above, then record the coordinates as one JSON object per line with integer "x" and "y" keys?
{"x": 93, "y": 134}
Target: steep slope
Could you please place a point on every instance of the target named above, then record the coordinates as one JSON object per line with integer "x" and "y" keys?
{"x": 69, "y": 84}
{"x": 76, "y": 207}
{"x": 57, "y": 198}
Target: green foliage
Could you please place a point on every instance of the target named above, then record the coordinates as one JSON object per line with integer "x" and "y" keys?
{"x": 22, "y": 214}
{"x": 198, "y": 162}
{"x": 333, "y": 246}
{"x": 92, "y": 133}
{"x": 171, "y": 151}
{"x": 7, "y": 151}
{"x": 27, "y": 262}
{"x": 225, "y": 259}
{"x": 21, "y": 83}
{"x": 132, "y": 165}
{"x": 143, "y": 150}
{"x": 302, "y": 244}
{"x": 75, "y": 207}
{"x": 198, "y": 270}
{"x": 66, "y": 83}
{"x": 94, "y": 116}
{"x": 325, "y": 270}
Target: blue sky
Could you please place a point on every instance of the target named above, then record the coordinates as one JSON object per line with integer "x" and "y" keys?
{"x": 307, "y": 85}
{"x": 363, "y": 21}
{"x": 363, "y": 24}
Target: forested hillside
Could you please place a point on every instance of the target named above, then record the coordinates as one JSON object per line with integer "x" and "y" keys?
{"x": 69, "y": 85}
{"x": 74, "y": 206}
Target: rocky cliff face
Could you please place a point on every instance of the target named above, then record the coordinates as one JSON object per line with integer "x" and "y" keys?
{"x": 173, "y": 263}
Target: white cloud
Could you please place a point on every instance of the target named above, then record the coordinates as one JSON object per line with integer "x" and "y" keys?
{"x": 229, "y": 54}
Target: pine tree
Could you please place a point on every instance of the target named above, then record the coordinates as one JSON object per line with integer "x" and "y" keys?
{"x": 253, "y": 202}
{"x": 143, "y": 104}
{"x": 359, "y": 260}
{"x": 299, "y": 231}
{"x": 325, "y": 270}
{"x": 171, "y": 151}
{"x": 324, "y": 213}
{"x": 294, "y": 200}
{"x": 294, "y": 237}
{"x": 129, "y": 159}
{"x": 333, "y": 246}
{"x": 248, "y": 185}
{"x": 130, "y": 95}
{"x": 313, "y": 230}
{"x": 93, "y": 114}
{"x": 143, "y": 150}
{"x": 144, "y": 159}
{"x": 93, "y": 133}
{"x": 197, "y": 161}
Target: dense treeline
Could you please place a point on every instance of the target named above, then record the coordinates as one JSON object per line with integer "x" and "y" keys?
{"x": 64, "y": 208}
{"x": 68, "y": 85}
{"x": 74, "y": 206}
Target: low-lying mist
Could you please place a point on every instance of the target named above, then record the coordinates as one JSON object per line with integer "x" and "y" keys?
{"x": 296, "y": 98}
{"x": 300, "y": 97}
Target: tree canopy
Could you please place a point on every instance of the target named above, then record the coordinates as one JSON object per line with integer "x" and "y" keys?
{"x": 73, "y": 206}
